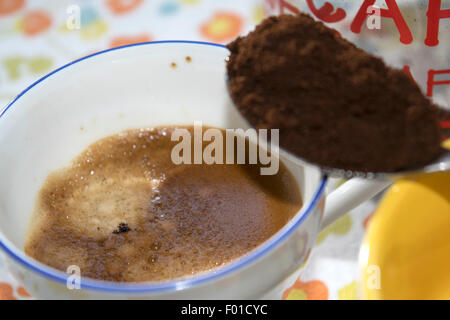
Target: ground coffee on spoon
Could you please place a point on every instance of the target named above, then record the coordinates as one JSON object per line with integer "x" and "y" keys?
{"x": 335, "y": 104}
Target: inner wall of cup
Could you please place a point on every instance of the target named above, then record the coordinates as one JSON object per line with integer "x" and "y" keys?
{"x": 103, "y": 95}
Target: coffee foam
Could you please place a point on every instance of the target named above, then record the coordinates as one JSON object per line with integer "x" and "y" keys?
{"x": 183, "y": 219}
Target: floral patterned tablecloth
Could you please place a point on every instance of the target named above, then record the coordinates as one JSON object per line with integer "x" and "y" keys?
{"x": 35, "y": 39}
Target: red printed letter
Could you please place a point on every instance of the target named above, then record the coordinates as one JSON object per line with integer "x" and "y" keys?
{"x": 407, "y": 70}
{"x": 286, "y": 5}
{"x": 434, "y": 14}
{"x": 271, "y": 4}
{"x": 431, "y": 83}
{"x": 392, "y": 12}
{"x": 325, "y": 13}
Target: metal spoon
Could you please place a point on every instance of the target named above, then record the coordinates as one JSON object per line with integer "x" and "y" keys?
{"x": 440, "y": 164}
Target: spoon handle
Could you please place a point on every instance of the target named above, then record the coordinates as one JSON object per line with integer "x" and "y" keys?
{"x": 348, "y": 196}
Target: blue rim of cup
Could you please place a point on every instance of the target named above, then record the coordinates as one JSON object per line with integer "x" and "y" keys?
{"x": 153, "y": 287}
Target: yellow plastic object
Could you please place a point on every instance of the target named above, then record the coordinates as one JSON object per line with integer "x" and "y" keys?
{"x": 406, "y": 253}
{"x": 446, "y": 144}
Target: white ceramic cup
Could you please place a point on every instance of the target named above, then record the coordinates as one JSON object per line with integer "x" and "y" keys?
{"x": 135, "y": 86}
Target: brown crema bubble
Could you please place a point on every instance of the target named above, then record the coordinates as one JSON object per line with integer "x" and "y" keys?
{"x": 122, "y": 211}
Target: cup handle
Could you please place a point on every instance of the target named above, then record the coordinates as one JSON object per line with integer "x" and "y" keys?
{"x": 348, "y": 196}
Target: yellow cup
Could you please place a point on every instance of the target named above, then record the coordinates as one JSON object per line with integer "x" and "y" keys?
{"x": 406, "y": 252}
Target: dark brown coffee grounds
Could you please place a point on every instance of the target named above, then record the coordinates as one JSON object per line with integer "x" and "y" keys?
{"x": 335, "y": 105}
{"x": 123, "y": 227}
{"x": 444, "y": 115}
